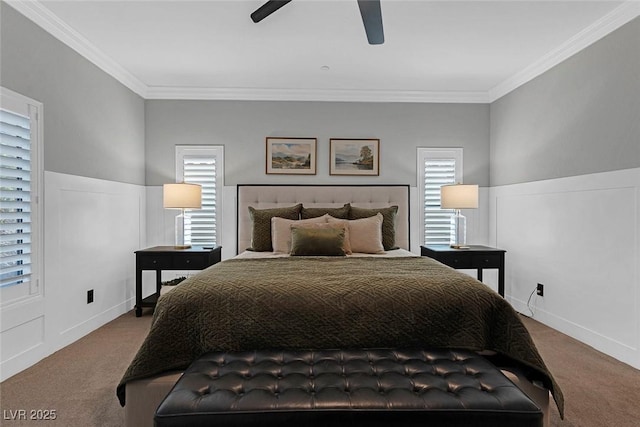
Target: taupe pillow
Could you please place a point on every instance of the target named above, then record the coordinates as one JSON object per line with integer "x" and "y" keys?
{"x": 342, "y": 212}
{"x": 281, "y": 231}
{"x": 365, "y": 234}
{"x": 261, "y": 225}
{"x": 317, "y": 241}
{"x": 388, "y": 222}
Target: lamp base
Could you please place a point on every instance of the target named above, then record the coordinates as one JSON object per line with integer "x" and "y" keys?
{"x": 183, "y": 234}
{"x": 460, "y": 231}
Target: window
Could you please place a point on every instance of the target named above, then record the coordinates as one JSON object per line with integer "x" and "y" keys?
{"x": 20, "y": 194}
{"x": 437, "y": 167}
{"x": 203, "y": 165}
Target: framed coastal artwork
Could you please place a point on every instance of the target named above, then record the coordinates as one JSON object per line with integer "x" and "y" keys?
{"x": 354, "y": 156}
{"x": 291, "y": 156}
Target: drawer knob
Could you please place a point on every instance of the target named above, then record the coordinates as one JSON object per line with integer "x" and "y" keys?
{"x": 155, "y": 262}
{"x": 188, "y": 261}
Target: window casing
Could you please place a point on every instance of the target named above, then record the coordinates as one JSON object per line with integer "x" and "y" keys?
{"x": 437, "y": 167}
{"x": 20, "y": 188}
{"x": 203, "y": 165}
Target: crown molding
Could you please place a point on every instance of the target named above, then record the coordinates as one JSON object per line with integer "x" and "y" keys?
{"x": 327, "y": 95}
{"x": 48, "y": 21}
{"x": 36, "y": 12}
{"x": 596, "y": 31}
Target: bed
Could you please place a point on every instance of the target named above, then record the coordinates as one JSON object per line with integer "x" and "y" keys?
{"x": 267, "y": 298}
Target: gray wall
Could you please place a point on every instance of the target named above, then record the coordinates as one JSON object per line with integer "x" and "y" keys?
{"x": 581, "y": 117}
{"x": 93, "y": 125}
{"x": 242, "y": 127}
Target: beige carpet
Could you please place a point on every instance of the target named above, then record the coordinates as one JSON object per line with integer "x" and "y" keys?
{"x": 79, "y": 381}
{"x": 599, "y": 391}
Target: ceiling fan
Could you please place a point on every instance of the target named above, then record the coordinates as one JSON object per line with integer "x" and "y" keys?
{"x": 369, "y": 10}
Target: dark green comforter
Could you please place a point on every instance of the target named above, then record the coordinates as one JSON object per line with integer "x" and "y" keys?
{"x": 329, "y": 303}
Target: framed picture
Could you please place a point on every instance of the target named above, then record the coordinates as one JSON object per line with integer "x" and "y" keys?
{"x": 291, "y": 156}
{"x": 354, "y": 157}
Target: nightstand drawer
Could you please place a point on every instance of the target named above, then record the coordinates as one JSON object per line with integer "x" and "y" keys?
{"x": 155, "y": 262}
{"x": 190, "y": 262}
{"x": 486, "y": 261}
{"x": 455, "y": 260}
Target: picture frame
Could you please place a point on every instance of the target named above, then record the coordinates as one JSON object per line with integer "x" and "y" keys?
{"x": 291, "y": 156}
{"x": 354, "y": 157}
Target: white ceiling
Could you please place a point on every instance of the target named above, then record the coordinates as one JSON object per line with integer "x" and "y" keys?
{"x": 446, "y": 51}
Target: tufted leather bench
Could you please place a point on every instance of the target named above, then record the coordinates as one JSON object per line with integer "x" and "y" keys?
{"x": 375, "y": 387}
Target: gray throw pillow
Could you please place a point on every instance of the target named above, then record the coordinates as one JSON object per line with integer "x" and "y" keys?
{"x": 261, "y": 225}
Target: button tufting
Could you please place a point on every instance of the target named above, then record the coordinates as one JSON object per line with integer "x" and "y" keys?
{"x": 391, "y": 379}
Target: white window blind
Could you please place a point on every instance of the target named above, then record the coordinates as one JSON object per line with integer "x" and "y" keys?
{"x": 17, "y": 194}
{"x": 202, "y": 166}
{"x": 437, "y": 167}
{"x": 15, "y": 214}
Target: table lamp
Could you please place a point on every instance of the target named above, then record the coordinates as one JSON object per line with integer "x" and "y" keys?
{"x": 182, "y": 196}
{"x": 459, "y": 196}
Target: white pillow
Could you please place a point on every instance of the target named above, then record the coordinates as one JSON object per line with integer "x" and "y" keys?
{"x": 365, "y": 235}
{"x": 281, "y": 231}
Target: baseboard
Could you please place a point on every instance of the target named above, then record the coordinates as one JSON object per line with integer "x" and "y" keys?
{"x": 78, "y": 331}
{"x": 599, "y": 342}
{"x": 22, "y": 361}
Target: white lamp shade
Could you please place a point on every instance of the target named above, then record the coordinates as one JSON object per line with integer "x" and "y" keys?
{"x": 459, "y": 196}
{"x": 182, "y": 196}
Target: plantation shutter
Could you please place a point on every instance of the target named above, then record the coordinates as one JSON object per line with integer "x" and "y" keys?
{"x": 436, "y": 167}
{"x": 15, "y": 194}
{"x": 202, "y": 170}
{"x": 438, "y": 229}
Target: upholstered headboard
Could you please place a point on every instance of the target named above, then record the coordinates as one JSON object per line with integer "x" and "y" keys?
{"x": 263, "y": 196}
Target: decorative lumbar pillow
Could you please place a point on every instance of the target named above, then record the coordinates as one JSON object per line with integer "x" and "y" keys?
{"x": 365, "y": 234}
{"x": 342, "y": 212}
{"x": 388, "y": 222}
{"x": 342, "y": 225}
{"x": 317, "y": 241}
{"x": 261, "y": 225}
{"x": 281, "y": 231}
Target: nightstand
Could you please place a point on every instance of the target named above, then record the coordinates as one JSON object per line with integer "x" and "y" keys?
{"x": 475, "y": 257}
{"x": 160, "y": 258}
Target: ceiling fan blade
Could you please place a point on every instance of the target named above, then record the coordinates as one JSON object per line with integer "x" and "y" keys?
{"x": 372, "y": 20}
{"x": 267, "y": 9}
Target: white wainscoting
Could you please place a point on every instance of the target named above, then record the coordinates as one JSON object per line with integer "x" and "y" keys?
{"x": 92, "y": 227}
{"x": 578, "y": 236}
{"x": 160, "y": 222}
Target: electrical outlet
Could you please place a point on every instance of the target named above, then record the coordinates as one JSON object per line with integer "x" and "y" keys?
{"x": 540, "y": 289}
{"x": 89, "y": 296}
